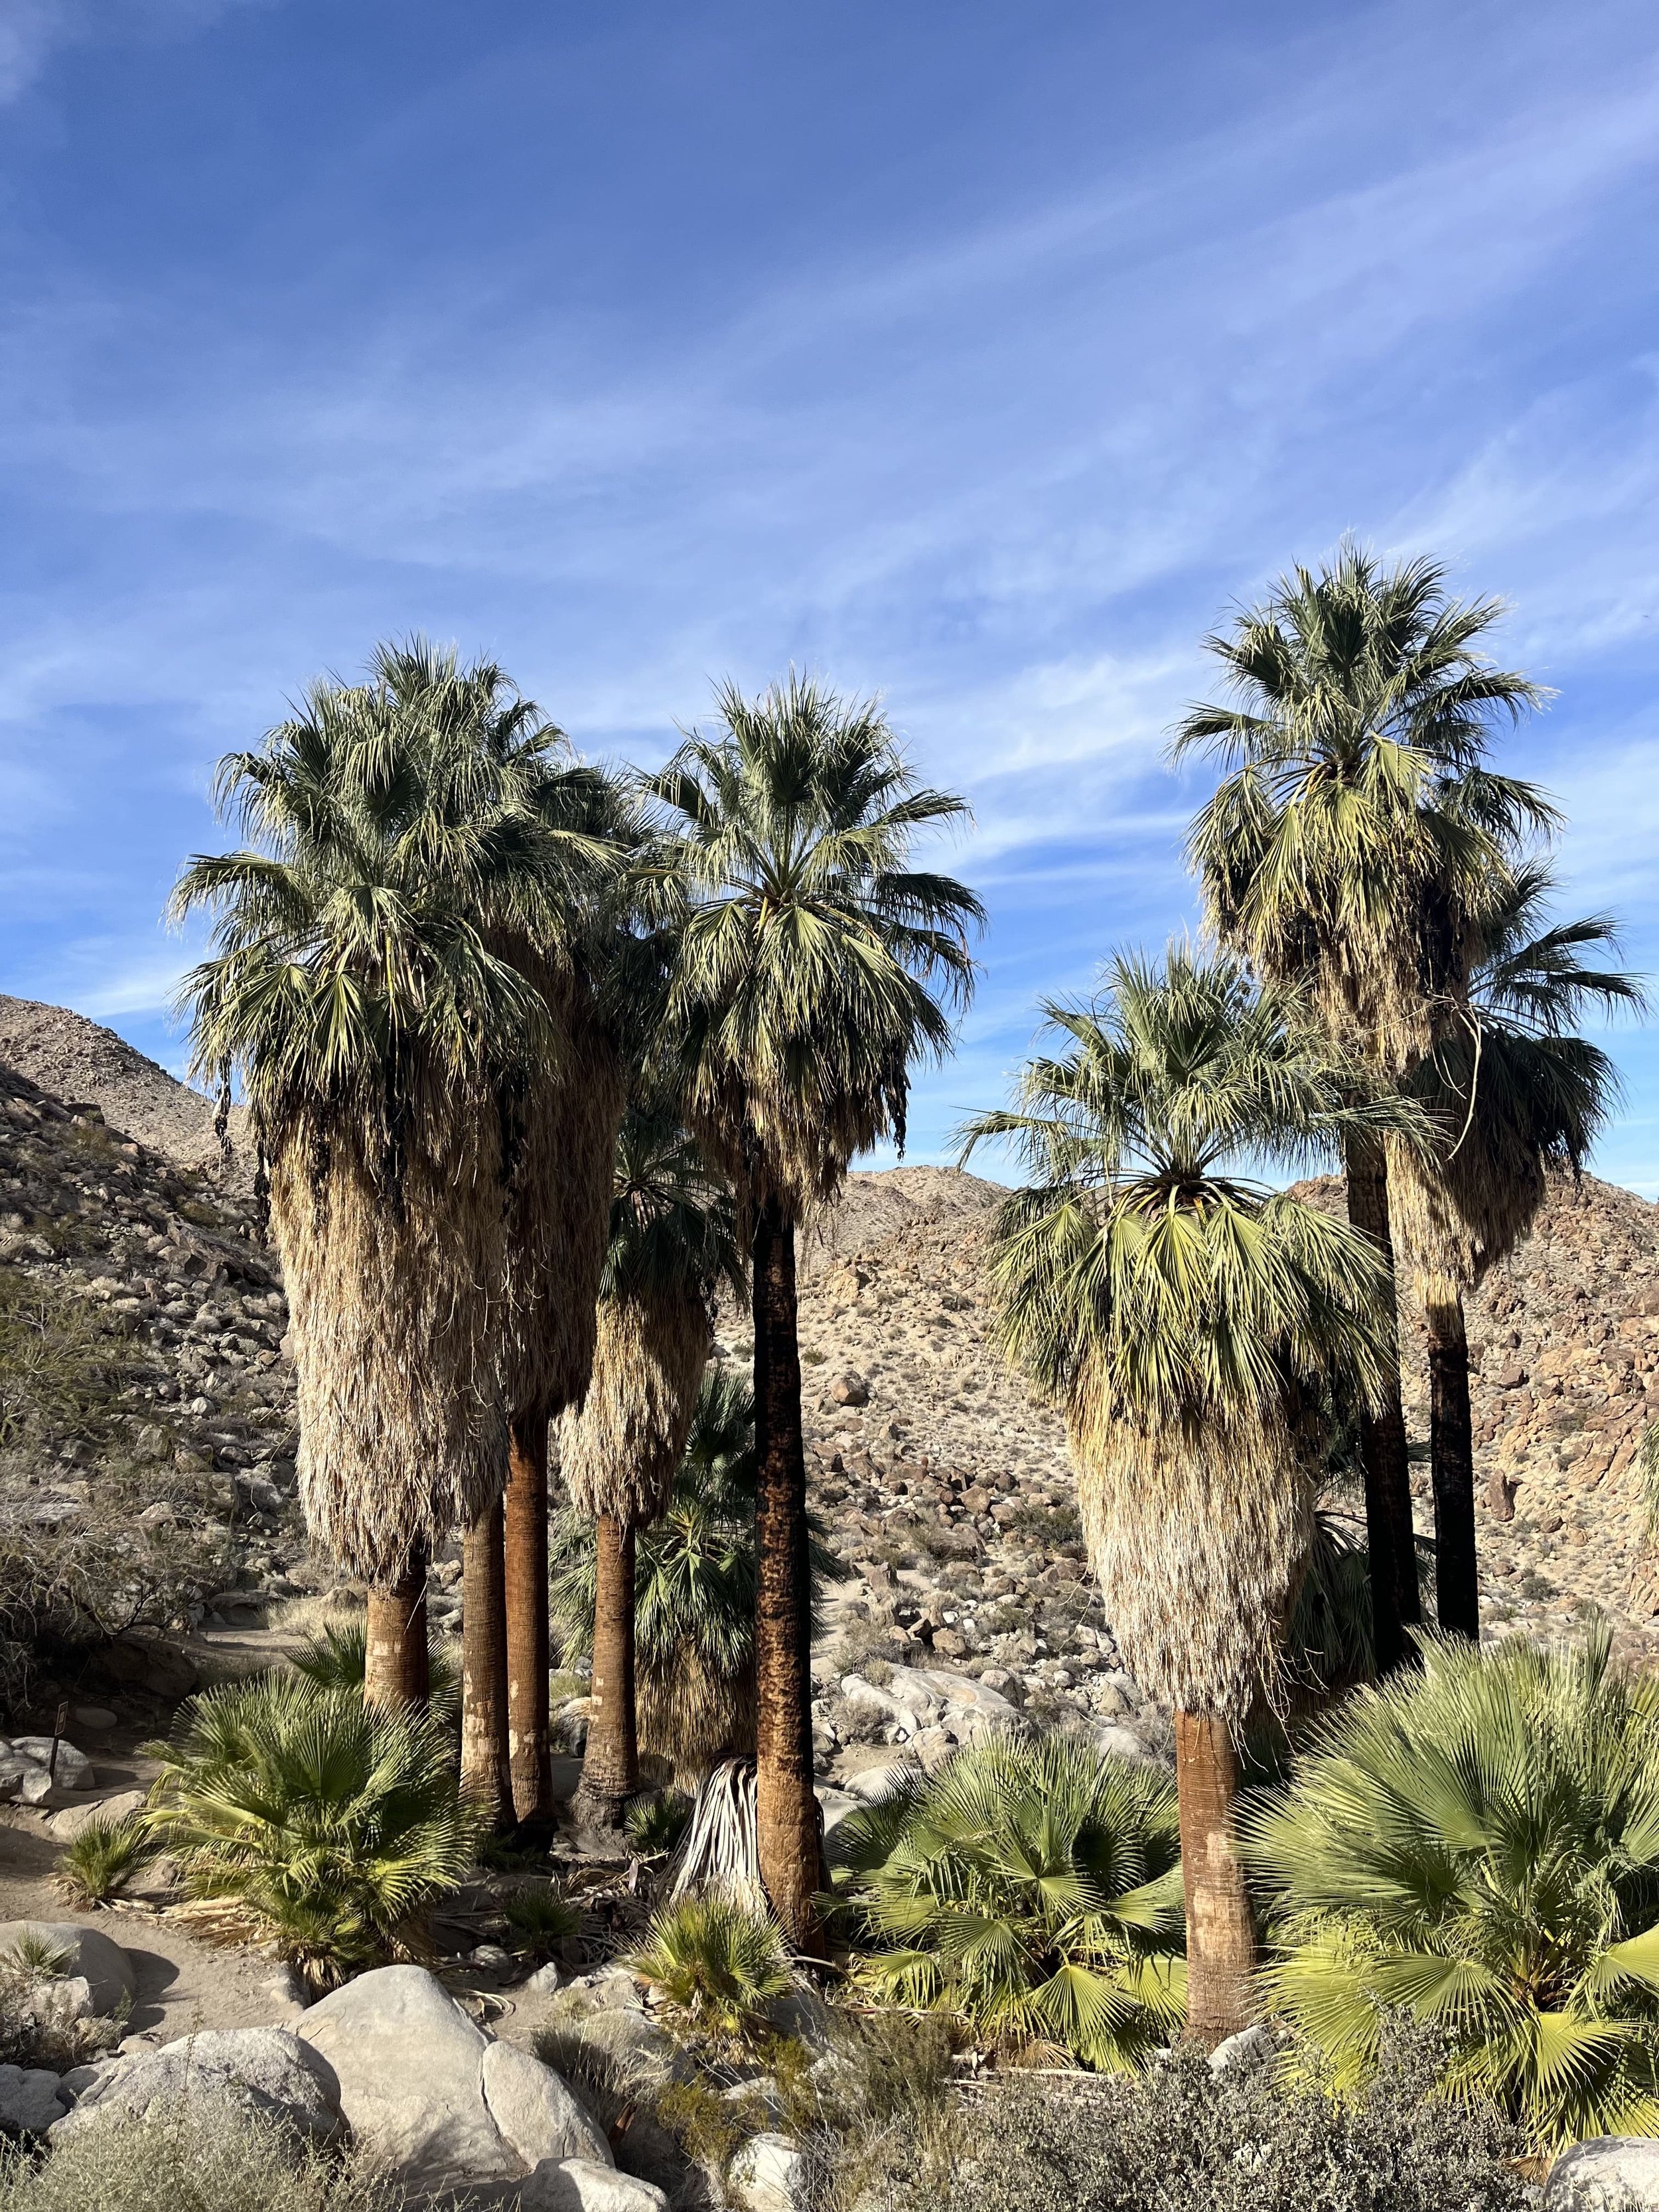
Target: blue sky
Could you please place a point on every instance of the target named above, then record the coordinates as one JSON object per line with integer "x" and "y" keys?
{"x": 979, "y": 355}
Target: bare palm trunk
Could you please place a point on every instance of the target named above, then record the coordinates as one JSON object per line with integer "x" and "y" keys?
{"x": 1220, "y": 1932}
{"x": 483, "y": 1667}
{"x": 529, "y": 1748}
{"x": 610, "y": 1765}
{"x": 1456, "y": 1579}
{"x": 394, "y": 1656}
{"x": 1390, "y": 1534}
{"x": 791, "y": 1856}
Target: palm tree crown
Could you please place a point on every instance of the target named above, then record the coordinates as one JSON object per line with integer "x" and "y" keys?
{"x": 810, "y": 948}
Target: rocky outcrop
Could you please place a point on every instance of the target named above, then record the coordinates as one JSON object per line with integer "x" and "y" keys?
{"x": 262, "y": 2074}
{"x": 1610, "y": 2173}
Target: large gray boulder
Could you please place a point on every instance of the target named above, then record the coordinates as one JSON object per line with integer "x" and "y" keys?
{"x": 535, "y": 2111}
{"x": 261, "y": 2073}
{"x": 433, "y": 2099}
{"x": 74, "y": 1770}
{"x": 579, "y": 2184}
{"x": 32, "y": 2100}
{"x": 75, "y": 1820}
{"x": 1609, "y": 2173}
{"x": 105, "y": 1966}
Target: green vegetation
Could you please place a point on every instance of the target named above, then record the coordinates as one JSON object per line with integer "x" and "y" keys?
{"x": 1032, "y": 1889}
{"x": 337, "y": 1658}
{"x": 307, "y": 1821}
{"x": 38, "y": 2024}
{"x": 1479, "y": 1846}
{"x": 189, "y": 2161}
{"x": 716, "y": 1961}
{"x": 544, "y": 1922}
{"x": 101, "y": 1858}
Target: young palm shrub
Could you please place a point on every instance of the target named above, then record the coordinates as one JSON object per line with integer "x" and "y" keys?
{"x": 810, "y": 953}
{"x": 1034, "y": 1889}
{"x": 544, "y": 1921}
{"x": 1191, "y": 1323}
{"x": 356, "y": 987}
{"x": 673, "y": 1241}
{"x": 1354, "y": 848}
{"x": 716, "y": 1961}
{"x": 311, "y": 1821}
{"x": 1479, "y": 1846}
{"x": 100, "y": 1860}
{"x": 1511, "y": 1095}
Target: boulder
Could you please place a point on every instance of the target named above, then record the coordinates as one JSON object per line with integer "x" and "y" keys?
{"x": 105, "y": 1966}
{"x": 74, "y": 1770}
{"x": 261, "y": 2073}
{"x": 1252, "y": 2047}
{"x": 1609, "y": 2173}
{"x": 138, "y": 1661}
{"x": 579, "y": 2184}
{"x": 536, "y": 2112}
{"x": 769, "y": 2174}
{"x": 32, "y": 2100}
{"x": 75, "y": 1820}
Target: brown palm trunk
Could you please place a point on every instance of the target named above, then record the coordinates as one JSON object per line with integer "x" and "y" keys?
{"x": 1220, "y": 1932}
{"x": 483, "y": 1667}
{"x": 610, "y": 1765}
{"x": 1391, "y": 1535}
{"x": 395, "y": 1670}
{"x": 529, "y": 1747}
{"x": 1457, "y": 1578}
{"x": 790, "y": 1851}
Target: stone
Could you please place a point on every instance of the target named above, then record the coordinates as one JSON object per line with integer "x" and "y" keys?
{"x": 1251, "y": 2047}
{"x": 409, "y": 2065}
{"x": 99, "y": 1717}
{"x": 136, "y": 1662}
{"x": 261, "y": 2072}
{"x": 73, "y": 1769}
{"x": 769, "y": 2174}
{"x": 545, "y": 1980}
{"x": 850, "y": 1390}
{"x": 1608, "y": 2173}
{"x": 32, "y": 2100}
{"x": 105, "y": 1966}
{"x": 536, "y": 2112}
{"x": 75, "y": 1820}
{"x": 579, "y": 2184}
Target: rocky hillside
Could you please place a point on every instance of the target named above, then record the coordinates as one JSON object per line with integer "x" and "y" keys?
{"x": 945, "y": 1487}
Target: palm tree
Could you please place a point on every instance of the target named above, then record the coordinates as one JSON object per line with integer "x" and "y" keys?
{"x": 1189, "y": 1322}
{"x": 810, "y": 954}
{"x": 380, "y": 1037}
{"x": 1354, "y": 848}
{"x": 693, "y": 1612}
{"x": 673, "y": 1241}
{"x": 1511, "y": 1095}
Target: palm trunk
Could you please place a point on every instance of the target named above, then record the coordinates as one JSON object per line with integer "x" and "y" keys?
{"x": 483, "y": 1667}
{"x": 394, "y": 1656}
{"x": 1391, "y": 1535}
{"x": 790, "y": 1854}
{"x": 529, "y": 1747}
{"x": 1456, "y": 1580}
{"x": 1220, "y": 1932}
{"x": 610, "y": 1765}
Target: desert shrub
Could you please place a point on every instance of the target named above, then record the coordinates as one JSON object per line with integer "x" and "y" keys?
{"x": 39, "y": 2024}
{"x": 655, "y": 1823}
{"x": 99, "y": 1859}
{"x": 1032, "y": 1888}
{"x": 864, "y": 1644}
{"x": 1185, "y": 2141}
{"x": 856, "y": 1720}
{"x": 189, "y": 2163}
{"x": 307, "y": 1821}
{"x": 1478, "y": 1846}
{"x": 544, "y": 1921}
{"x": 336, "y": 1657}
{"x": 716, "y": 1961}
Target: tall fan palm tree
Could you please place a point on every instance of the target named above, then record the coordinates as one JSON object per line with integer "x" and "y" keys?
{"x": 356, "y": 986}
{"x": 1189, "y": 1322}
{"x": 673, "y": 1241}
{"x": 1354, "y": 848}
{"x": 1511, "y": 1095}
{"x": 810, "y": 955}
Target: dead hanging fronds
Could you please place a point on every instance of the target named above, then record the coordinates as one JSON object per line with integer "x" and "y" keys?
{"x": 1198, "y": 1537}
{"x": 559, "y": 1207}
{"x": 691, "y": 1715}
{"x": 620, "y": 1450}
{"x": 395, "y": 1306}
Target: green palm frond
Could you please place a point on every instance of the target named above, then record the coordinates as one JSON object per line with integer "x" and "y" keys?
{"x": 1032, "y": 1888}
{"x": 1478, "y": 1846}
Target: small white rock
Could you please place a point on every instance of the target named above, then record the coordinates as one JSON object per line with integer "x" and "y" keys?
{"x": 769, "y": 2174}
